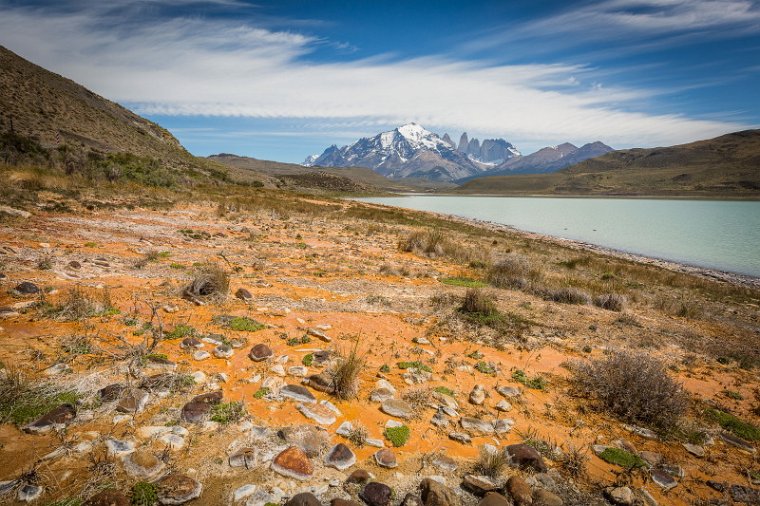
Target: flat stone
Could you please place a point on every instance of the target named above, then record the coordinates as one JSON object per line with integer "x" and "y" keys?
{"x": 108, "y": 498}
{"x": 298, "y": 393}
{"x": 509, "y": 392}
{"x": 191, "y": 343}
{"x": 542, "y": 497}
{"x": 119, "y": 448}
{"x": 386, "y": 458}
{"x": 243, "y": 294}
{"x": 298, "y": 371}
{"x": 318, "y": 334}
{"x": 736, "y": 441}
{"x": 197, "y": 410}
{"x": 340, "y": 457}
{"x": 642, "y": 431}
{"x": 525, "y": 457}
{"x": 478, "y": 485}
{"x": 245, "y": 457}
{"x": 177, "y": 488}
{"x": 143, "y": 465}
{"x": 477, "y": 395}
{"x": 260, "y": 352}
{"x": 745, "y": 495}
{"x": 696, "y": 450}
{"x": 293, "y": 463}
{"x": 111, "y": 392}
{"x": 243, "y": 492}
{"x": 622, "y": 496}
{"x": 317, "y": 412}
{"x": 439, "y": 419}
{"x": 345, "y": 429}
{"x": 503, "y": 406}
{"x": 303, "y": 499}
{"x": 201, "y": 355}
{"x": 376, "y": 494}
{"x": 133, "y": 400}
{"x": 651, "y": 458}
{"x": 503, "y": 425}
{"x": 477, "y": 426}
{"x": 444, "y": 462}
{"x": 663, "y": 479}
{"x": 435, "y": 493}
{"x": 397, "y": 408}
{"x": 381, "y": 395}
{"x": 29, "y": 492}
{"x": 27, "y": 288}
{"x": 223, "y": 351}
{"x": 320, "y": 382}
{"x": 460, "y": 437}
{"x": 359, "y": 476}
{"x": 56, "y": 418}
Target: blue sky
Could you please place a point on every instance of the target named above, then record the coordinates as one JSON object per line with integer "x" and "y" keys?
{"x": 284, "y": 79}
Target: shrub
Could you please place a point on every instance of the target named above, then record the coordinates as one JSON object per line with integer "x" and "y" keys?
{"x": 416, "y": 364}
{"x": 398, "y": 436}
{"x": 733, "y": 424}
{"x": 358, "y": 436}
{"x": 179, "y": 331}
{"x": 567, "y": 295}
{"x": 510, "y": 272}
{"x": 611, "y": 301}
{"x": 78, "y": 304}
{"x": 22, "y": 402}
{"x": 491, "y": 463}
{"x": 307, "y": 360}
{"x": 210, "y": 282}
{"x": 634, "y": 387}
{"x": 536, "y": 382}
{"x": 144, "y": 494}
{"x": 477, "y": 301}
{"x": 261, "y": 393}
{"x": 574, "y": 461}
{"x": 485, "y": 367}
{"x": 227, "y": 412}
{"x": 621, "y": 458}
{"x": 345, "y": 374}
{"x": 434, "y": 244}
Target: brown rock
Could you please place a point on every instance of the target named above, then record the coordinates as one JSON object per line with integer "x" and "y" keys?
{"x": 61, "y": 415}
{"x": 542, "y": 497}
{"x": 321, "y": 382}
{"x": 386, "y": 458}
{"x": 294, "y": 463}
{"x": 437, "y": 494}
{"x": 108, "y": 498}
{"x": 303, "y": 499}
{"x": 412, "y": 500}
{"x": 199, "y": 406}
{"x": 343, "y": 502}
{"x": 260, "y": 352}
{"x": 494, "y": 499}
{"x": 520, "y": 491}
{"x": 526, "y": 457}
{"x": 376, "y": 494}
{"x": 478, "y": 485}
{"x": 111, "y": 392}
{"x": 133, "y": 400}
{"x": 243, "y": 294}
{"x": 360, "y": 476}
{"x": 177, "y": 488}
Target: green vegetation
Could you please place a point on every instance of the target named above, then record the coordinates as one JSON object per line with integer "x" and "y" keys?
{"x": 414, "y": 365}
{"x": 179, "y": 331}
{"x": 78, "y": 305}
{"x": 476, "y": 355}
{"x": 154, "y": 357}
{"x": 491, "y": 463}
{"x": 243, "y": 323}
{"x": 22, "y": 402}
{"x": 731, "y": 394}
{"x": 307, "y": 360}
{"x": 729, "y": 422}
{"x": 144, "y": 494}
{"x": 398, "y": 436}
{"x": 385, "y": 369}
{"x": 261, "y": 392}
{"x": 621, "y": 458}
{"x": 295, "y": 341}
{"x": 536, "y": 382}
{"x": 485, "y": 367}
{"x": 466, "y": 282}
{"x": 445, "y": 391}
{"x": 195, "y": 234}
{"x": 227, "y": 412}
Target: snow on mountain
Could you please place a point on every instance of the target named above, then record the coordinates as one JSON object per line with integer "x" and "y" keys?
{"x": 310, "y": 160}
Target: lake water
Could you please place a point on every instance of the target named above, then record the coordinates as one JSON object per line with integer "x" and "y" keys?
{"x": 723, "y": 235}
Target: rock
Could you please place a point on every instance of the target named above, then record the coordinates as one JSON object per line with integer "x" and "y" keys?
{"x": 509, "y": 391}
{"x": 303, "y": 499}
{"x": 386, "y": 458}
{"x": 520, "y": 491}
{"x": 298, "y": 371}
{"x": 133, "y": 400}
{"x": 641, "y": 431}
{"x": 525, "y": 457}
{"x": 111, "y": 392}
{"x": 293, "y": 463}
{"x": 359, "y": 476}
{"x": 245, "y": 457}
{"x": 736, "y": 441}
{"x": 54, "y": 419}
{"x": 376, "y": 494}
{"x": 177, "y": 488}
{"x": 320, "y": 413}
{"x": 745, "y": 495}
{"x": 12, "y": 211}
{"x": 74, "y": 265}
{"x": 108, "y": 498}
{"x": 444, "y": 462}
{"x": 696, "y": 450}
{"x": 119, "y": 448}
{"x": 29, "y": 492}
{"x": 190, "y": 343}
{"x": 201, "y": 355}
{"x": 503, "y": 406}
{"x": 494, "y": 499}
{"x": 298, "y": 393}
{"x": 318, "y": 334}
{"x": 436, "y": 494}
{"x": 478, "y": 395}
{"x": 345, "y": 429}
{"x": 663, "y": 479}
{"x": 460, "y": 437}
{"x": 260, "y": 352}
{"x": 143, "y": 465}
{"x": 439, "y": 419}
{"x": 476, "y": 426}
{"x": 243, "y": 294}
{"x": 478, "y": 485}
{"x": 503, "y": 425}
{"x": 381, "y": 395}
{"x": 223, "y": 351}
{"x": 542, "y": 497}
{"x": 397, "y": 408}
{"x": 343, "y": 502}
{"x": 57, "y": 369}
{"x": 277, "y": 369}
{"x": 197, "y": 410}
{"x": 320, "y": 382}
{"x": 27, "y": 288}
{"x": 622, "y": 496}
{"x": 651, "y": 458}
{"x": 243, "y": 492}
{"x": 340, "y": 457}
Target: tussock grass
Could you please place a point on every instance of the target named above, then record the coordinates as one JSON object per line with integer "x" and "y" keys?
{"x": 210, "y": 282}
{"x": 510, "y": 272}
{"x": 22, "y": 401}
{"x": 634, "y": 387}
{"x": 611, "y": 301}
{"x": 345, "y": 373}
{"x": 491, "y": 463}
{"x": 435, "y": 244}
{"x": 78, "y": 304}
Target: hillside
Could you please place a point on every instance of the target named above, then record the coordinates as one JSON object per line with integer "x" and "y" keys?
{"x": 726, "y": 166}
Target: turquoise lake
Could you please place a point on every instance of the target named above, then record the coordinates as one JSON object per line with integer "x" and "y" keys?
{"x": 723, "y": 235}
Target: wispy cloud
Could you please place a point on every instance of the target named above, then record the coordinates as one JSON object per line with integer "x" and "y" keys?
{"x": 191, "y": 66}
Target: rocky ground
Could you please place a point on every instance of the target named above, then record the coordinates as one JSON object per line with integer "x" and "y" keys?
{"x": 125, "y": 383}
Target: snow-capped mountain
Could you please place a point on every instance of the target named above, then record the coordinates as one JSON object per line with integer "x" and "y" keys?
{"x": 491, "y": 152}
{"x": 310, "y": 160}
{"x": 412, "y": 151}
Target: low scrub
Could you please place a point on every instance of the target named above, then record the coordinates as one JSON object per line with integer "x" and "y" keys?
{"x": 611, "y": 301}
{"x": 345, "y": 374}
{"x": 78, "y": 304}
{"x": 621, "y": 458}
{"x": 210, "y": 282}
{"x": 398, "y": 436}
{"x": 435, "y": 244}
{"x": 511, "y": 272}
{"x": 566, "y": 295}
{"x": 729, "y": 422}
{"x": 535, "y": 382}
{"x": 634, "y": 387}
{"x": 22, "y": 402}
{"x": 227, "y": 412}
{"x": 465, "y": 282}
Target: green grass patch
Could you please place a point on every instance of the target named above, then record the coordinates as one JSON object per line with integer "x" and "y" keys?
{"x": 398, "y": 436}
{"x": 261, "y": 392}
{"x": 175, "y": 265}
{"x": 307, "y": 360}
{"x": 415, "y": 364}
{"x": 21, "y": 403}
{"x": 536, "y": 382}
{"x": 385, "y": 369}
{"x": 179, "y": 331}
{"x": 445, "y": 391}
{"x": 729, "y": 422}
{"x": 731, "y": 394}
{"x": 295, "y": 341}
{"x": 621, "y": 458}
{"x": 227, "y": 412}
{"x": 485, "y": 367}
{"x": 239, "y": 323}
{"x": 144, "y": 494}
{"x": 465, "y": 282}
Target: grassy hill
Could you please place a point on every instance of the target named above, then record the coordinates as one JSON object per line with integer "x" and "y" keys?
{"x": 726, "y": 166}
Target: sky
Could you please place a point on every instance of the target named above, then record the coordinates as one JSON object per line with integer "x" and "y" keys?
{"x": 283, "y": 79}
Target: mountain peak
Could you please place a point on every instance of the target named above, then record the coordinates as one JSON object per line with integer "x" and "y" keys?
{"x": 413, "y": 131}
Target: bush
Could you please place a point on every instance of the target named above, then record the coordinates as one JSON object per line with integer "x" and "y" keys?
{"x": 477, "y": 301}
{"x": 78, "y": 304}
{"x": 510, "y": 272}
{"x": 568, "y": 295}
{"x": 144, "y": 494}
{"x": 210, "y": 282}
{"x": 536, "y": 382}
{"x": 434, "y": 244}
{"x": 398, "y": 436}
{"x": 611, "y": 301}
{"x": 634, "y": 387}
{"x": 22, "y": 402}
{"x": 491, "y": 463}
{"x": 345, "y": 374}
{"x": 227, "y": 412}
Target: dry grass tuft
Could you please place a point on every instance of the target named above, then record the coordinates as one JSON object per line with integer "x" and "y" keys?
{"x": 210, "y": 282}
{"x": 634, "y": 387}
{"x": 511, "y": 272}
{"x": 567, "y": 295}
{"x": 611, "y": 302}
{"x": 345, "y": 374}
{"x": 491, "y": 463}
{"x": 477, "y": 301}
{"x": 435, "y": 244}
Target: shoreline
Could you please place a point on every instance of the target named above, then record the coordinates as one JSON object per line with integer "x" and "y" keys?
{"x": 738, "y": 279}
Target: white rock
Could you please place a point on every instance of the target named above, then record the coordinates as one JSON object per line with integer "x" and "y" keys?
{"x": 244, "y": 492}
{"x": 201, "y": 355}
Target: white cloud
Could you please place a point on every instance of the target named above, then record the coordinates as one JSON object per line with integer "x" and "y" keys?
{"x": 184, "y": 66}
